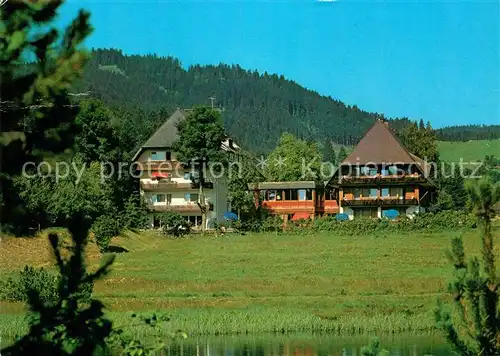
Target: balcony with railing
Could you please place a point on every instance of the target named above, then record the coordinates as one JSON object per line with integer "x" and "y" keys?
{"x": 185, "y": 208}
{"x": 172, "y": 185}
{"x": 379, "y": 179}
{"x": 379, "y": 201}
{"x": 329, "y": 206}
{"x": 289, "y": 205}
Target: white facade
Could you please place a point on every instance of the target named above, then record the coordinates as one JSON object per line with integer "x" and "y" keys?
{"x": 175, "y": 191}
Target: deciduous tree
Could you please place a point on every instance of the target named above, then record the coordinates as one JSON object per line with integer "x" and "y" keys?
{"x": 199, "y": 145}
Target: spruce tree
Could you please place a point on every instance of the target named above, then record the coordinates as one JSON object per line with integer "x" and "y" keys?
{"x": 38, "y": 118}
{"x": 37, "y": 115}
{"x": 475, "y": 329}
{"x": 328, "y": 152}
{"x": 342, "y": 155}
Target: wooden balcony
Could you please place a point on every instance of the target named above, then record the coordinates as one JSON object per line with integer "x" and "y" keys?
{"x": 329, "y": 207}
{"x": 290, "y": 206}
{"x": 386, "y": 201}
{"x": 167, "y": 186}
{"x": 382, "y": 180}
{"x": 188, "y": 208}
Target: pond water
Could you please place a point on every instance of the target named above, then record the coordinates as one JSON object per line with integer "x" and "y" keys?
{"x": 308, "y": 345}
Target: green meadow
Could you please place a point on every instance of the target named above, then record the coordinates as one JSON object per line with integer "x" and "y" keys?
{"x": 256, "y": 283}
{"x": 470, "y": 151}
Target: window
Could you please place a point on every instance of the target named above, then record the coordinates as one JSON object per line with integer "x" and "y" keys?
{"x": 385, "y": 192}
{"x": 373, "y": 171}
{"x": 373, "y": 192}
{"x": 384, "y": 172}
{"x": 187, "y": 176}
{"x": 291, "y": 194}
{"x": 168, "y": 156}
{"x": 365, "y": 171}
{"x": 393, "y": 170}
{"x": 365, "y": 213}
{"x": 158, "y": 198}
{"x": 361, "y": 193}
{"x": 158, "y": 156}
{"x": 271, "y": 195}
{"x": 169, "y": 199}
{"x": 191, "y": 197}
{"x": 396, "y": 192}
{"x": 302, "y": 194}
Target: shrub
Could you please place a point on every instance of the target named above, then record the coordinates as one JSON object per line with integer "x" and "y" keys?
{"x": 424, "y": 221}
{"x": 134, "y": 214}
{"x": 272, "y": 223}
{"x": 40, "y": 281}
{"x": 174, "y": 224}
{"x": 105, "y": 227}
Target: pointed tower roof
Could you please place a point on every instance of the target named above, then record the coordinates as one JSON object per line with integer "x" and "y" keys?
{"x": 380, "y": 145}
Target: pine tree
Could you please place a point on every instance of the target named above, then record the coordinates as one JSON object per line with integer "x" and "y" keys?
{"x": 342, "y": 155}
{"x": 328, "y": 152}
{"x": 475, "y": 288}
{"x": 37, "y": 115}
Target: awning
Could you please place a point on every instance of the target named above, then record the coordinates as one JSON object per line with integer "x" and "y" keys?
{"x": 300, "y": 216}
{"x": 160, "y": 175}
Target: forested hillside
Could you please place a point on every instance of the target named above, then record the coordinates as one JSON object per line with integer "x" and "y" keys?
{"x": 257, "y": 107}
{"x": 468, "y": 132}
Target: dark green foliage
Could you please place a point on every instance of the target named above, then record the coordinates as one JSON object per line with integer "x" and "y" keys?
{"x": 134, "y": 214}
{"x": 104, "y": 228}
{"x": 272, "y": 223}
{"x": 69, "y": 325}
{"x": 329, "y": 152}
{"x": 252, "y": 102}
{"x": 421, "y": 141}
{"x": 97, "y": 140}
{"x": 199, "y": 144}
{"x": 292, "y": 160}
{"x": 342, "y": 155}
{"x": 42, "y": 282}
{"x": 451, "y": 190}
{"x": 120, "y": 342}
{"x": 444, "y": 202}
{"x": 468, "y": 132}
{"x": 475, "y": 330}
{"x": 421, "y": 222}
{"x": 30, "y": 278}
{"x": 174, "y": 224}
{"x": 374, "y": 349}
{"x": 37, "y": 115}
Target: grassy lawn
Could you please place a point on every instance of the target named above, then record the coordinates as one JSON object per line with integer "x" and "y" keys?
{"x": 265, "y": 282}
{"x": 468, "y": 151}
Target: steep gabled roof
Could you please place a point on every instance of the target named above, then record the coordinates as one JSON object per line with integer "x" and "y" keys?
{"x": 166, "y": 135}
{"x": 379, "y": 145}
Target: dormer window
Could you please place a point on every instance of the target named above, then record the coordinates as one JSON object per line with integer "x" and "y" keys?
{"x": 158, "y": 155}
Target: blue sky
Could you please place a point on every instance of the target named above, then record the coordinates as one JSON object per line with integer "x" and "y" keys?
{"x": 435, "y": 60}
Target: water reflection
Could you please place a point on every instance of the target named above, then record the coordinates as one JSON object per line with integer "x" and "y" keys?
{"x": 307, "y": 345}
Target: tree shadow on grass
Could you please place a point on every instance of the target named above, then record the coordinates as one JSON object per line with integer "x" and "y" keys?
{"x": 116, "y": 249}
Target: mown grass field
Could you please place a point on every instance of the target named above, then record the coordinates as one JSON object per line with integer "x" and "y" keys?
{"x": 265, "y": 282}
{"x": 470, "y": 151}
